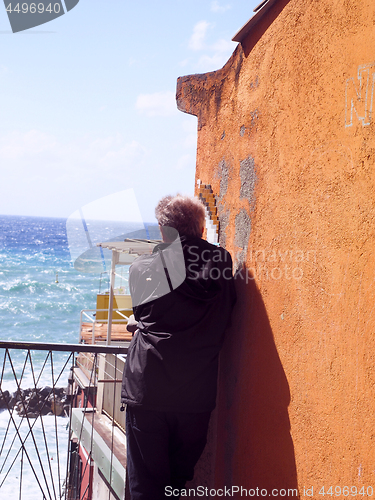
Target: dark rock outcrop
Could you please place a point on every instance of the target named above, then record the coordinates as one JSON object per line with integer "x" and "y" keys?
{"x": 34, "y": 402}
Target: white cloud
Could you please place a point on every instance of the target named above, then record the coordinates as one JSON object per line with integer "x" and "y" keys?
{"x": 216, "y": 7}
{"x": 221, "y": 51}
{"x": 216, "y": 53}
{"x": 223, "y": 46}
{"x": 197, "y": 39}
{"x": 157, "y": 104}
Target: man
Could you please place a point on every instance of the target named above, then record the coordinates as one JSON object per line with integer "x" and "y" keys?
{"x": 170, "y": 376}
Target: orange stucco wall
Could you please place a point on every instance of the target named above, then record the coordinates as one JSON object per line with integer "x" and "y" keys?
{"x": 286, "y": 140}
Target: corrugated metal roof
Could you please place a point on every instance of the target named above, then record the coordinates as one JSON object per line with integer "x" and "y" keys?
{"x": 260, "y": 10}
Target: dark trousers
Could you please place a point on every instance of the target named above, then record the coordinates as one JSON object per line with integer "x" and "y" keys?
{"x": 162, "y": 450}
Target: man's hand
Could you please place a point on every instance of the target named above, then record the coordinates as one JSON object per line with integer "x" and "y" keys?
{"x": 132, "y": 324}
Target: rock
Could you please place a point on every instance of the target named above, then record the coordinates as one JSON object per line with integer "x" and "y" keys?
{"x": 16, "y": 396}
{"x": 45, "y": 391}
{"x": 32, "y": 415}
{"x": 34, "y": 402}
{"x": 57, "y": 408}
{"x": 5, "y": 397}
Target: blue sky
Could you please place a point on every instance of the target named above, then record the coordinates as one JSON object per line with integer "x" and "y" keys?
{"x": 88, "y": 101}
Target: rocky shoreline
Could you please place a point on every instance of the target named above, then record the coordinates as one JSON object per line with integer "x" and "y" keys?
{"x": 32, "y": 403}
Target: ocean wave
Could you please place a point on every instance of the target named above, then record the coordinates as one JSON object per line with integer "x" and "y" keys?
{"x": 26, "y": 286}
{"x": 16, "y": 317}
{"x": 30, "y": 287}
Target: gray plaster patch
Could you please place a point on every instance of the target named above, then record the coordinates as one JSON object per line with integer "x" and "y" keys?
{"x": 254, "y": 117}
{"x": 239, "y": 260}
{"x": 243, "y": 229}
{"x": 223, "y": 224}
{"x": 254, "y": 85}
{"x": 223, "y": 173}
{"x": 248, "y": 179}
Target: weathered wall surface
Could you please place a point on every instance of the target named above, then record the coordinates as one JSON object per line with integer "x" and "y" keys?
{"x": 286, "y": 139}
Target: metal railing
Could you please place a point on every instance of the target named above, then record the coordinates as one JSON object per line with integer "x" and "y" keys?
{"x": 52, "y": 442}
{"x": 89, "y": 315}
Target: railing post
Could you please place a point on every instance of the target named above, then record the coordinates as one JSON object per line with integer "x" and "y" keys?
{"x": 93, "y": 333}
{"x": 101, "y": 376}
{"x": 111, "y": 294}
{"x": 80, "y": 328}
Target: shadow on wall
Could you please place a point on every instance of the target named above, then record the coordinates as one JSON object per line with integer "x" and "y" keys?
{"x": 251, "y": 38}
{"x": 253, "y": 448}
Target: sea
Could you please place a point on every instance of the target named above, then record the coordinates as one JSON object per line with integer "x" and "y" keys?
{"x": 41, "y": 297}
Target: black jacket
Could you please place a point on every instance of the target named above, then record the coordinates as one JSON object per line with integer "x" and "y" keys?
{"x": 172, "y": 362}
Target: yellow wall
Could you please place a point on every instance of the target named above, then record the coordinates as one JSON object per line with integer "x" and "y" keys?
{"x": 119, "y": 302}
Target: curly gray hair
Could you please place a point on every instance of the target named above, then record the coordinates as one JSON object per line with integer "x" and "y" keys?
{"x": 185, "y": 213}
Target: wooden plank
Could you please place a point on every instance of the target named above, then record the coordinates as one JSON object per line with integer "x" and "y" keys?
{"x": 119, "y": 332}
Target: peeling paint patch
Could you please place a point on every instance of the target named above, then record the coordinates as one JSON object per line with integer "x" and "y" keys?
{"x": 223, "y": 213}
{"x": 255, "y": 84}
{"x": 224, "y": 216}
{"x": 254, "y": 115}
{"x": 242, "y": 225}
{"x": 242, "y": 228}
{"x": 223, "y": 174}
{"x": 248, "y": 179}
